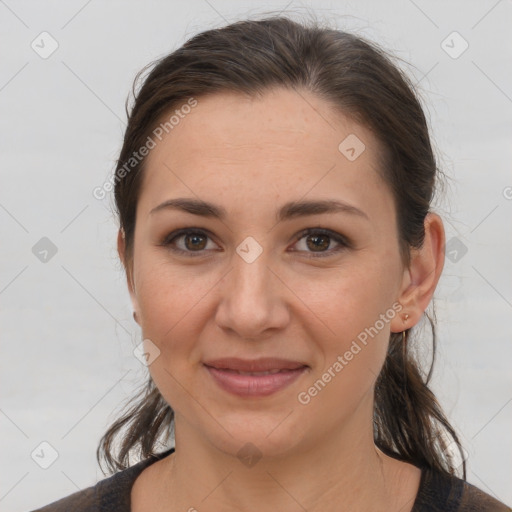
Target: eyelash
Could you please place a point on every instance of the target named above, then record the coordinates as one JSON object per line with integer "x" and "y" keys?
{"x": 344, "y": 243}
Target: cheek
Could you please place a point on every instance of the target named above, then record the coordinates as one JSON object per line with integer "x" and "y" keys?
{"x": 171, "y": 317}
{"x": 350, "y": 300}
{"x": 358, "y": 310}
{"x": 169, "y": 297}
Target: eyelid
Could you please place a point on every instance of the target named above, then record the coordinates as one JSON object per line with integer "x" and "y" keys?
{"x": 185, "y": 231}
{"x": 342, "y": 241}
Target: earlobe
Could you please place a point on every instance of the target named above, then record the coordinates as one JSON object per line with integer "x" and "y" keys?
{"x": 422, "y": 275}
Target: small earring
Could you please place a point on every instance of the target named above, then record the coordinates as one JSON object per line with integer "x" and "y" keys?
{"x": 406, "y": 317}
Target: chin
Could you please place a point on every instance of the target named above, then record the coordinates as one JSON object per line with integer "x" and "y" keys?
{"x": 258, "y": 433}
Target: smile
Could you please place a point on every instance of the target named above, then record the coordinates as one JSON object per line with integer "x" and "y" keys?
{"x": 253, "y": 379}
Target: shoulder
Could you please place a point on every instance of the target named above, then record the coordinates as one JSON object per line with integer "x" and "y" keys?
{"x": 110, "y": 494}
{"x": 439, "y": 492}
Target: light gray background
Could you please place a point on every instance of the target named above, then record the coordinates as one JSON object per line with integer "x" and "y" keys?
{"x": 66, "y": 326}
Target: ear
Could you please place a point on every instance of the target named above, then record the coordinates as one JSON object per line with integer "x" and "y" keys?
{"x": 121, "y": 251}
{"x": 422, "y": 275}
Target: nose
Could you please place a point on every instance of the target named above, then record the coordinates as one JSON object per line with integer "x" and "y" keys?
{"x": 253, "y": 300}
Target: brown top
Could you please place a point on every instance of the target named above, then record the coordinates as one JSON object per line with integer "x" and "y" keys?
{"x": 437, "y": 493}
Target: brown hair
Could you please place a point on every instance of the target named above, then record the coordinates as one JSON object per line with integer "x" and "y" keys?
{"x": 359, "y": 79}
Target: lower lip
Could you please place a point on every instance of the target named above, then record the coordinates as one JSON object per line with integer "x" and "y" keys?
{"x": 254, "y": 385}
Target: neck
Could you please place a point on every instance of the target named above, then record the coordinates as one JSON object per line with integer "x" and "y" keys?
{"x": 345, "y": 473}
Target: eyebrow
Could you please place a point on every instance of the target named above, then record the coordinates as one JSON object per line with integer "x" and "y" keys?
{"x": 288, "y": 211}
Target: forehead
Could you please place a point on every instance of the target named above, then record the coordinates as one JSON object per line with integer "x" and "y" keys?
{"x": 256, "y": 150}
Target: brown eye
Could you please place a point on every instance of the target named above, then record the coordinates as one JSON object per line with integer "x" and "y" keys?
{"x": 195, "y": 241}
{"x": 318, "y": 242}
{"x": 188, "y": 242}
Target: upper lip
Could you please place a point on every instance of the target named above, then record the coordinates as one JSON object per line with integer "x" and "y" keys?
{"x": 254, "y": 365}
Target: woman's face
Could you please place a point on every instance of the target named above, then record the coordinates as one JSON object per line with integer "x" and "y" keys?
{"x": 249, "y": 284}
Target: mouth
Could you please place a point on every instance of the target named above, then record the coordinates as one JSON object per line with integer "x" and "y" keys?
{"x": 267, "y": 372}
{"x": 254, "y": 378}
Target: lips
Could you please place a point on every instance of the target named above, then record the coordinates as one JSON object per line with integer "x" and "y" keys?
{"x": 253, "y": 378}
{"x": 267, "y": 364}
{"x": 240, "y": 372}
